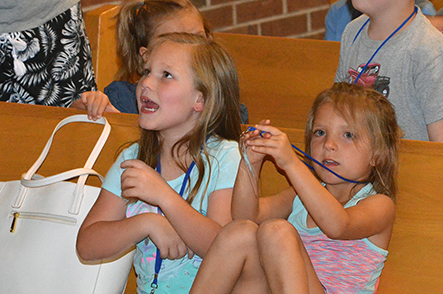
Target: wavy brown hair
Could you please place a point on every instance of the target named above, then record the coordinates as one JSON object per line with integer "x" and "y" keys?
{"x": 137, "y": 22}
{"x": 370, "y": 114}
{"x": 215, "y": 76}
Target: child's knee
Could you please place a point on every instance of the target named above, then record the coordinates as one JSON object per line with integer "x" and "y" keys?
{"x": 275, "y": 231}
{"x": 239, "y": 232}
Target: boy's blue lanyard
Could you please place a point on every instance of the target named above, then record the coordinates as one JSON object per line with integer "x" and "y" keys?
{"x": 158, "y": 260}
{"x": 382, "y": 44}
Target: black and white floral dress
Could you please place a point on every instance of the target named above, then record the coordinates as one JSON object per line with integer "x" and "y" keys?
{"x": 47, "y": 65}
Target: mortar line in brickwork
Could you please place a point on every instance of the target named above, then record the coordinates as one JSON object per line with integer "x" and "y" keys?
{"x": 285, "y": 6}
{"x": 270, "y": 18}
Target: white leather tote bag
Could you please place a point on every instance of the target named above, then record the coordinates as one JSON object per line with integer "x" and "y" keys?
{"x": 39, "y": 221}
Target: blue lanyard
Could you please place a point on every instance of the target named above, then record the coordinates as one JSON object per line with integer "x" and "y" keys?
{"x": 382, "y": 44}
{"x": 314, "y": 160}
{"x": 158, "y": 259}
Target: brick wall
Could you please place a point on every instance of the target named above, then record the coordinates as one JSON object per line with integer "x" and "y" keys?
{"x": 282, "y": 18}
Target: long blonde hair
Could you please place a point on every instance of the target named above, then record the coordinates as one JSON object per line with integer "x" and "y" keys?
{"x": 367, "y": 112}
{"x": 137, "y": 22}
{"x": 215, "y": 76}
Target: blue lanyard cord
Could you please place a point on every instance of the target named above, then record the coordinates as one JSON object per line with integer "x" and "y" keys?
{"x": 323, "y": 166}
{"x": 382, "y": 44}
{"x": 314, "y": 160}
{"x": 158, "y": 259}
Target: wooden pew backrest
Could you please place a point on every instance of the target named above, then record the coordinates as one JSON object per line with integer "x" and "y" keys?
{"x": 100, "y": 27}
{"x": 279, "y": 77}
{"x": 415, "y": 261}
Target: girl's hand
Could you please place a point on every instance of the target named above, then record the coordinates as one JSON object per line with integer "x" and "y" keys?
{"x": 142, "y": 182}
{"x": 95, "y": 102}
{"x": 168, "y": 242}
{"x": 274, "y": 143}
{"x": 254, "y": 157}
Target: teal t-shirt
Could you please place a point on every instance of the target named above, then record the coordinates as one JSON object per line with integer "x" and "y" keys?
{"x": 176, "y": 276}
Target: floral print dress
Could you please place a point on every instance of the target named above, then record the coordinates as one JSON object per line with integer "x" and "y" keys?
{"x": 47, "y": 65}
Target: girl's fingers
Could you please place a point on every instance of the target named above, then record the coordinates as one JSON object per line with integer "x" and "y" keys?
{"x": 273, "y": 131}
{"x": 270, "y": 141}
{"x": 129, "y": 193}
{"x": 85, "y": 97}
{"x": 100, "y": 109}
{"x": 265, "y": 122}
{"x": 135, "y": 163}
{"x": 260, "y": 149}
{"x": 128, "y": 182}
{"x": 190, "y": 253}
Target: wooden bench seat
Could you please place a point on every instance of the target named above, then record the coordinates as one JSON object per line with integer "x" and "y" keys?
{"x": 415, "y": 262}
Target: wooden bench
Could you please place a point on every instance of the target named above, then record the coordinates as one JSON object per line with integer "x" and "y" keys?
{"x": 279, "y": 77}
{"x": 438, "y": 4}
{"x": 415, "y": 262}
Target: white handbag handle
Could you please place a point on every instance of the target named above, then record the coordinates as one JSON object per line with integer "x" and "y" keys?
{"x": 83, "y": 173}
{"x": 36, "y": 183}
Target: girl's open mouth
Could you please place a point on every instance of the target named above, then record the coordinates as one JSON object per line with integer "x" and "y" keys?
{"x": 330, "y": 162}
{"x": 148, "y": 105}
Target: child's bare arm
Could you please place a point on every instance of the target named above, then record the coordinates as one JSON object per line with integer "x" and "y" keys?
{"x": 435, "y": 131}
{"x": 245, "y": 198}
{"x": 195, "y": 229}
{"x": 141, "y": 182}
{"x": 246, "y": 203}
{"x": 371, "y": 217}
{"x": 106, "y": 232}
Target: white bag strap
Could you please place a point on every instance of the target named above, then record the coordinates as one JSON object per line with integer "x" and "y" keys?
{"x": 36, "y": 183}
{"x": 28, "y": 182}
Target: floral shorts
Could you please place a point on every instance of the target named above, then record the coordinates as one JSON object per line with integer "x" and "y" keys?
{"x": 47, "y": 65}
